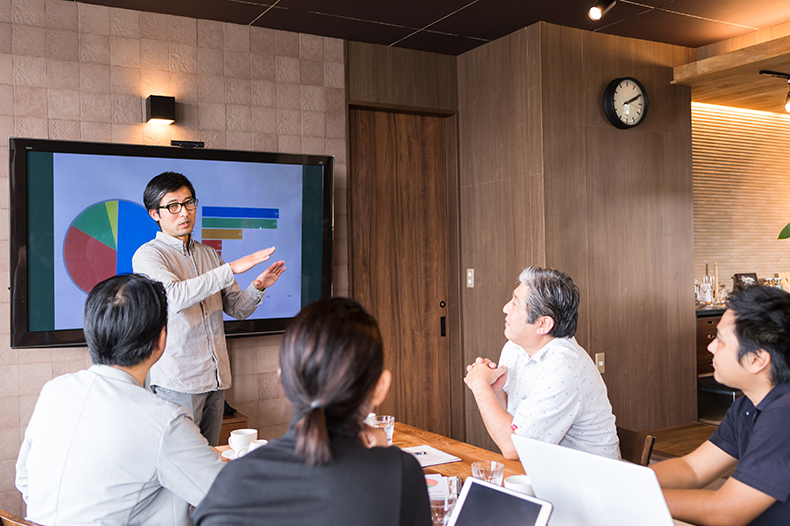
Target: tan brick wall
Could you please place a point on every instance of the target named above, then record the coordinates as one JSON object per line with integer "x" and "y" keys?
{"x": 81, "y": 72}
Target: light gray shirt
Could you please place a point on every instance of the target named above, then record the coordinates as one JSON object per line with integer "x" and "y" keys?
{"x": 101, "y": 449}
{"x": 558, "y": 396}
{"x": 200, "y": 286}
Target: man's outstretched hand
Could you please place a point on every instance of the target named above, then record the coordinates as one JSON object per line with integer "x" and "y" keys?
{"x": 247, "y": 262}
{"x": 269, "y": 276}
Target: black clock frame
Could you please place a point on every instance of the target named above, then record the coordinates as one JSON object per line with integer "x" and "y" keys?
{"x": 608, "y": 103}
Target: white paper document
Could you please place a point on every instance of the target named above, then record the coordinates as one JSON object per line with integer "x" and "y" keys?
{"x": 430, "y": 456}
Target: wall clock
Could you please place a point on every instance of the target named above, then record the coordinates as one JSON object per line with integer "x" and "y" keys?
{"x": 625, "y": 102}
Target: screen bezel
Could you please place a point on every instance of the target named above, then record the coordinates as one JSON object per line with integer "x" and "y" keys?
{"x": 21, "y": 337}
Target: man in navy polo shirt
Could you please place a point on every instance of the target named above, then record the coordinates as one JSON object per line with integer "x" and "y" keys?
{"x": 751, "y": 352}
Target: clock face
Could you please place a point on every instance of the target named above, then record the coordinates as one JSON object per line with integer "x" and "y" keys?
{"x": 625, "y": 102}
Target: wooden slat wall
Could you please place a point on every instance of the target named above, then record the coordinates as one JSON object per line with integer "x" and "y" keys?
{"x": 741, "y": 191}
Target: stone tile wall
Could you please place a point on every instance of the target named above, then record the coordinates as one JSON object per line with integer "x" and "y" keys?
{"x": 81, "y": 72}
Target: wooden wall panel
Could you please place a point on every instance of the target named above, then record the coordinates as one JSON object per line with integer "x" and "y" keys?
{"x": 565, "y": 97}
{"x": 500, "y": 238}
{"x": 500, "y": 134}
{"x": 741, "y": 195}
{"x": 501, "y": 190}
{"x": 456, "y": 280}
{"x": 401, "y": 77}
{"x": 415, "y": 82}
{"x": 739, "y": 42}
{"x": 619, "y": 215}
{"x": 610, "y": 207}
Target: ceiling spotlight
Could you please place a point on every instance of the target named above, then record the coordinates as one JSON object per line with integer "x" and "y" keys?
{"x": 601, "y": 8}
{"x": 780, "y": 75}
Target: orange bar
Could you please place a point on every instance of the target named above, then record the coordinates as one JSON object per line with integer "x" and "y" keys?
{"x": 221, "y": 233}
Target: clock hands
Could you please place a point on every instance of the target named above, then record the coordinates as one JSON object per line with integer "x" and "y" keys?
{"x": 633, "y": 99}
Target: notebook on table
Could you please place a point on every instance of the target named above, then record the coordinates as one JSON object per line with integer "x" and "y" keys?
{"x": 592, "y": 490}
{"x": 482, "y": 503}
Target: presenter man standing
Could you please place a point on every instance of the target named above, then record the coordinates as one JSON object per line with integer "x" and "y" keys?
{"x": 194, "y": 370}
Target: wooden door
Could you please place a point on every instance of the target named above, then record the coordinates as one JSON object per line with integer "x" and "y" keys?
{"x": 398, "y": 205}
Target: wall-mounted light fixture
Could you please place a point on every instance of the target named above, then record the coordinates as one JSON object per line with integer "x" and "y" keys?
{"x": 780, "y": 75}
{"x": 160, "y": 109}
{"x": 601, "y": 8}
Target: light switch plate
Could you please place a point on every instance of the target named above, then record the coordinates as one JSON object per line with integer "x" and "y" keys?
{"x": 600, "y": 362}
{"x": 470, "y": 278}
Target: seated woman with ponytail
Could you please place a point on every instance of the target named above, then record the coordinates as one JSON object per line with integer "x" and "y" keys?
{"x": 326, "y": 469}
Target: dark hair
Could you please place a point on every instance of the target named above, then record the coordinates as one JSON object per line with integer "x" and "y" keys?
{"x": 762, "y": 321}
{"x": 331, "y": 358}
{"x": 551, "y": 293}
{"x": 123, "y": 318}
{"x": 162, "y": 184}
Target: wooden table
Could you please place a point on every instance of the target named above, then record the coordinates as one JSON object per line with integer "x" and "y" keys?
{"x": 408, "y": 436}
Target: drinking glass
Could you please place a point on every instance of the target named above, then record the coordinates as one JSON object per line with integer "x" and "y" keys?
{"x": 442, "y": 509}
{"x": 488, "y": 470}
{"x": 387, "y": 423}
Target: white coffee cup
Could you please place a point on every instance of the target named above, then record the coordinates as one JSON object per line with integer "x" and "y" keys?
{"x": 255, "y": 444}
{"x": 240, "y": 440}
{"x": 520, "y": 483}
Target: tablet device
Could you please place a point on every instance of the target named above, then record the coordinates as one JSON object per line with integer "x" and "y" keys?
{"x": 481, "y": 503}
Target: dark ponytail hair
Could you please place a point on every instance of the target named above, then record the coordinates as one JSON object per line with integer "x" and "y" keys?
{"x": 330, "y": 360}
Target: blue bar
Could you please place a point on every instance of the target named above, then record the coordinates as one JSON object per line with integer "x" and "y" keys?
{"x": 230, "y": 211}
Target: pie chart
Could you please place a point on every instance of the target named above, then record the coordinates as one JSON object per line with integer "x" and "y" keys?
{"x": 102, "y": 239}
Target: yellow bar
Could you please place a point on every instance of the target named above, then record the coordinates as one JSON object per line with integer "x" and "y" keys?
{"x": 221, "y": 233}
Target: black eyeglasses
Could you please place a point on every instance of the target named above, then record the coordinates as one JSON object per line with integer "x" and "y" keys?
{"x": 174, "y": 208}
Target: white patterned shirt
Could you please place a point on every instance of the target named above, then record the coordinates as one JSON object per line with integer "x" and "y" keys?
{"x": 100, "y": 449}
{"x": 558, "y": 396}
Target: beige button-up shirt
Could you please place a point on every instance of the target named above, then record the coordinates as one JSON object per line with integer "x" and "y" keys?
{"x": 200, "y": 287}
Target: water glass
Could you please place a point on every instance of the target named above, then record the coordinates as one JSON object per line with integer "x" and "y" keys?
{"x": 387, "y": 423}
{"x": 442, "y": 509}
{"x": 488, "y": 470}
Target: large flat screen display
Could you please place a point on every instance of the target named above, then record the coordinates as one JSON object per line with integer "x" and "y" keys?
{"x": 77, "y": 217}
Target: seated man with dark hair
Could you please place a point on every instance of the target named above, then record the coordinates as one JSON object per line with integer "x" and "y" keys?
{"x": 101, "y": 449}
{"x": 751, "y": 352}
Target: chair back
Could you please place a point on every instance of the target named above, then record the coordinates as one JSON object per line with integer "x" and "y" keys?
{"x": 7, "y": 519}
{"x": 635, "y": 446}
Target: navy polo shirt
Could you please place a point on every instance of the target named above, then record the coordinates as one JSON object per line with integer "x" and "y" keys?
{"x": 760, "y": 439}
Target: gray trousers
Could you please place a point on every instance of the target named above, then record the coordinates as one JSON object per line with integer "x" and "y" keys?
{"x": 207, "y": 409}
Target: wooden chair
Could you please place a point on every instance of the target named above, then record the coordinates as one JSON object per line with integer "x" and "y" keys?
{"x": 6, "y": 519}
{"x": 635, "y": 447}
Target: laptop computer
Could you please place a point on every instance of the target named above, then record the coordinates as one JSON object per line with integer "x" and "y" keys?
{"x": 592, "y": 490}
{"x": 481, "y": 503}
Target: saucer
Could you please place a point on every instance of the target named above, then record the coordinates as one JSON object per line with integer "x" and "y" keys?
{"x": 229, "y": 454}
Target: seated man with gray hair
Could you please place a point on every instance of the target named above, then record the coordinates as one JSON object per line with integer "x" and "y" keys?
{"x": 546, "y": 386}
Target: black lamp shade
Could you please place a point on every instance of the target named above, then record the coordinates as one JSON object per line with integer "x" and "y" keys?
{"x": 160, "y": 108}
